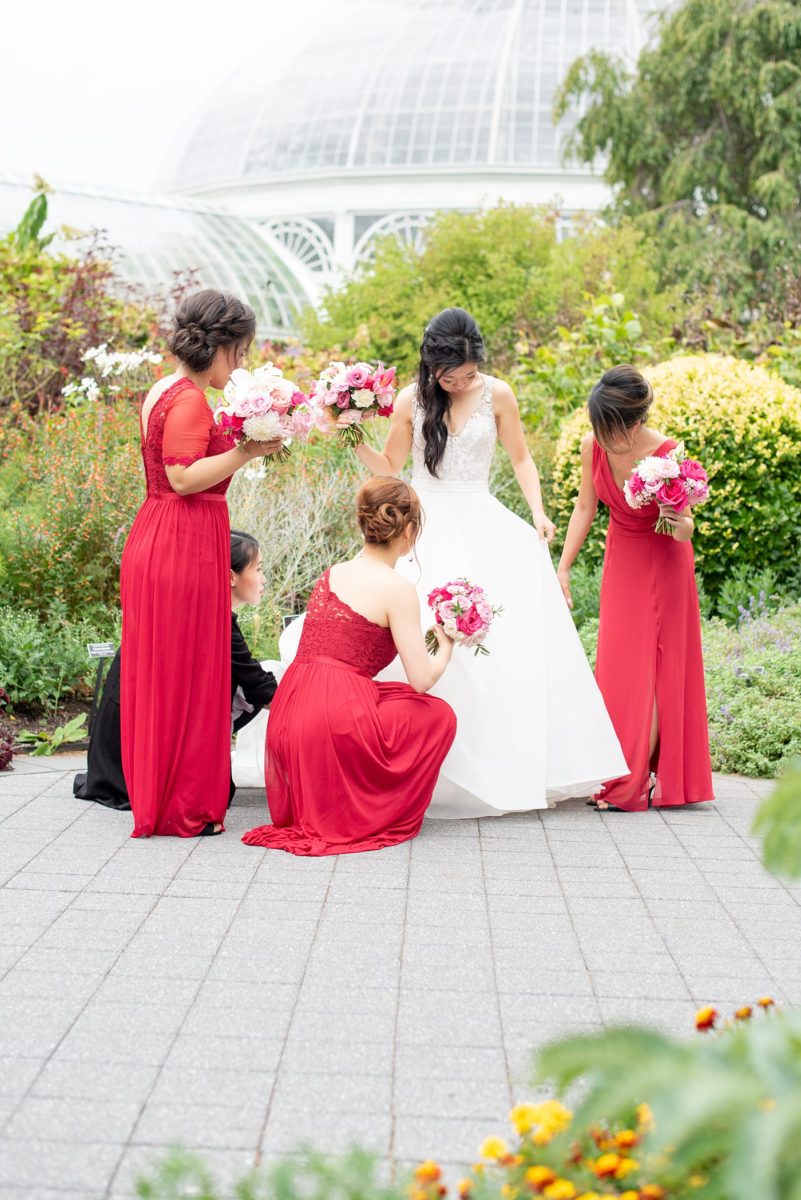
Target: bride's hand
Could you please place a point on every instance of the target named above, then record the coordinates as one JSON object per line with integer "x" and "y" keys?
{"x": 544, "y": 526}
{"x": 563, "y": 575}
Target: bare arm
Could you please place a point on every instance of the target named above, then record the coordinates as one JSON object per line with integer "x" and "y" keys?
{"x": 513, "y": 440}
{"x": 581, "y": 519}
{"x": 201, "y": 475}
{"x": 422, "y": 670}
{"x": 398, "y": 445}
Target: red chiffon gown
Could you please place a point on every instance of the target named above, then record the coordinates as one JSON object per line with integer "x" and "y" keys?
{"x": 175, "y": 693}
{"x": 351, "y": 763}
{"x": 649, "y": 645}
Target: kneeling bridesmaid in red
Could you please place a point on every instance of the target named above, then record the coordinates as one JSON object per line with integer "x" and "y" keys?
{"x": 175, "y": 697}
{"x": 650, "y": 666}
{"x": 352, "y": 763}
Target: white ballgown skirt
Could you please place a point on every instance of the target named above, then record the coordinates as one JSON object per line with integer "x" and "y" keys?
{"x": 532, "y": 728}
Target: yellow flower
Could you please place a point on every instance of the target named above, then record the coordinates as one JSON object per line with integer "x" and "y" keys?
{"x": 696, "y": 1181}
{"x": 607, "y": 1165}
{"x": 766, "y": 1002}
{"x": 626, "y": 1139}
{"x": 551, "y": 1112}
{"x": 591, "y": 1196}
{"x": 509, "y": 1193}
{"x": 418, "y": 1193}
{"x": 626, "y": 1167}
{"x": 494, "y": 1147}
{"x": 629, "y": 1196}
{"x": 538, "y": 1177}
{"x": 427, "y": 1172}
{"x": 560, "y": 1189}
{"x": 542, "y": 1135}
{"x": 478, "y": 1168}
{"x": 705, "y": 1018}
{"x": 652, "y": 1191}
{"x": 743, "y": 1014}
{"x": 464, "y": 1188}
{"x": 523, "y": 1117}
{"x": 645, "y": 1118}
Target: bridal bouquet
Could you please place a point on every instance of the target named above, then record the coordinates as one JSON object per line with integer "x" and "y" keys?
{"x": 673, "y": 481}
{"x": 347, "y": 396}
{"x": 263, "y": 405}
{"x": 464, "y": 612}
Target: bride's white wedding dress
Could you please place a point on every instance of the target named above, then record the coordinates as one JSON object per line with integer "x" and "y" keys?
{"x": 532, "y": 728}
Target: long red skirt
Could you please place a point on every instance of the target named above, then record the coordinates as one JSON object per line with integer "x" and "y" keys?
{"x": 175, "y": 695}
{"x": 351, "y": 763}
{"x": 649, "y": 646}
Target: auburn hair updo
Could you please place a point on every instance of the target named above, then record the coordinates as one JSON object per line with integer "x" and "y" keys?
{"x": 385, "y": 507}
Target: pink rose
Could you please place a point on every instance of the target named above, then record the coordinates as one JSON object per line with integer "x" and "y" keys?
{"x": 231, "y": 424}
{"x": 699, "y": 491}
{"x": 386, "y": 411}
{"x": 302, "y": 421}
{"x": 437, "y": 596}
{"x": 297, "y": 399}
{"x": 672, "y": 493}
{"x": 358, "y": 376}
{"x": 636, "y": 484}
{"x": 280, "y": 402}
{"x": 470, "y": 622}
{"x": 690, "y": 469}
{"x": 342, "y": 399}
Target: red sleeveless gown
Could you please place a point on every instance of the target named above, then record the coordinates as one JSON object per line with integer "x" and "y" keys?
{"x": 351, "y": 763}
{"x": 649, "y": 644}
{"x": 175, "y": 701}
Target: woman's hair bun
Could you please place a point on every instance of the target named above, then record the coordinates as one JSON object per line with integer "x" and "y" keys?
{"x": 385, "y": 507}
{"x": 207, "y": 321}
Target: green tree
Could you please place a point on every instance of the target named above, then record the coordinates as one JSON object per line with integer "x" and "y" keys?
{"x": 705, "y": 135}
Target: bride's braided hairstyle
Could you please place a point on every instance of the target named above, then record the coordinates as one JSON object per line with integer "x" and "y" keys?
{"x": 452, "y": 338}
{"x": 206, "y": 321}
{"x": 385, "y": 507}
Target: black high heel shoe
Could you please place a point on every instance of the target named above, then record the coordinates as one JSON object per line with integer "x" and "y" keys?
{"x": 208, "y": 830}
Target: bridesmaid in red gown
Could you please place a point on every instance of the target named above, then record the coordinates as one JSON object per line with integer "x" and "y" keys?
{"x": 175, "y": 702}
{"x": 351, "y": 763}
{"x": 649, "y": 667}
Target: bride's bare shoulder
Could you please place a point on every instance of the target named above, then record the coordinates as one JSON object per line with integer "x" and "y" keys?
{"x": 403, "y": 400}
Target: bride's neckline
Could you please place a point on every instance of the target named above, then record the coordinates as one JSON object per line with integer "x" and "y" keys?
{"x": 457, "y": 433}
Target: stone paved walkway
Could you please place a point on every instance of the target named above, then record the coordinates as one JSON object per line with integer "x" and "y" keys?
{"x": 242, "y": 1001}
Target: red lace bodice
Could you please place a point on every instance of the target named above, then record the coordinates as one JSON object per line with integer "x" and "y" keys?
{"x": 333, "y": 630}
{"x": 180, "y": 429}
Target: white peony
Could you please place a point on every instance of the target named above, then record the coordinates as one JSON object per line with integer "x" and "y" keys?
{"x": 264, "y": 428}
{"x": 654, "y": 469}
{"x": 363, "y": 398}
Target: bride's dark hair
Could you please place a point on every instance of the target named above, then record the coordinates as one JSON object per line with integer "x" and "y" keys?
{"x": 452, "y": 338}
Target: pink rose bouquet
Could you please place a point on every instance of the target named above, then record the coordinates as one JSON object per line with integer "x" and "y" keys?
{"x": 672, "y": 482}
{"x": 347, "y": 396}
{"x": 261, "y": 406}
{"x": 464, "y": 612}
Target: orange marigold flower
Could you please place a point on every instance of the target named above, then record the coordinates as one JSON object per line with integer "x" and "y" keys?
{"x": 627, "y": 1139}
{"x": 742, "y": 1014}
{"x": 509, "y": 1192}
{"x": 464, "y": 1189}
{"x": 561, "y": 1189}
{"x": 766, "y": 1002}
{"x": 705, "y": 1018}
{"x": 418, "y": 1193}
{"x": 494, "y": 1147}
{"x": 607, "y": 1165}
{"x": 589, "y": 1196}
{"x": 538, "y": 1177}
{"x": 523, "y": 1117}
{"x": 652, "y": 1191}
{"x": 629, "y": 1195}
{"x": 428, "y": 1172}
{"x": 626, "y": 1167}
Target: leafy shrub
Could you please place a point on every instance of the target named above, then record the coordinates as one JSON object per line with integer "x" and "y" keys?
{"x": 744, "y": 425}
{"x": 779, "y": 821}
{"x": 43, "y": 659}
{"x": 753, "y": 677}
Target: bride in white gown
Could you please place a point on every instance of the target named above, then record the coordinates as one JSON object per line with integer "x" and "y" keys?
{"x": 532, "y": 728}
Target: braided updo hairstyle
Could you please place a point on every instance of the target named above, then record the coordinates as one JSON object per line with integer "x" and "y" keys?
{"x": 618, "y": 403}
{"x": 452, "y": 338}
{"x": 385, "y": 507}
{"x": 207, "y": 321}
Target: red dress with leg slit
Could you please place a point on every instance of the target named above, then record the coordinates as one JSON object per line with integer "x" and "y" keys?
{"x": 351, "y": 763}
{"x": 649, "y": 646}
{"x": 175, "y": 686}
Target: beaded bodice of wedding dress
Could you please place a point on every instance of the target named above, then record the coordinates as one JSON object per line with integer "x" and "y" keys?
{"x": 468, "y": 451}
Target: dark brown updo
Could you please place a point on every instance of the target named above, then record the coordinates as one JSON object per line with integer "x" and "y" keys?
{"x": 206, "y": 321}
{"x": 617, "y": 404}
{"x": 385, "y": 507}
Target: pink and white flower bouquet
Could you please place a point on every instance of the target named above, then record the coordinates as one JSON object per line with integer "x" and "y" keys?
{"x": 674, "y": 481}
{"x": 464, "y": 612}
{"x": 347, "y": 396}
{"x": 261, "y": 406}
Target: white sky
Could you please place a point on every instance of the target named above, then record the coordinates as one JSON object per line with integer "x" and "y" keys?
{"x": 99, "y": 91}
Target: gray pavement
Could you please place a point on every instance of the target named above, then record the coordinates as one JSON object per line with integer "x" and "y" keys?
{"x": 242, "y": 1001}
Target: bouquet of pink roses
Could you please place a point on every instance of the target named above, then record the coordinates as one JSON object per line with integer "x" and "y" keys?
{"x": 464, "y": 612}
{"x": 262, "y": 406}
{"x": 347, "y": 396}
{"x": 673, "y": 482}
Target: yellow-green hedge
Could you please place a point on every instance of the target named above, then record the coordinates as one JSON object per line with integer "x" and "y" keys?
{"x": 744, "y": 425}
